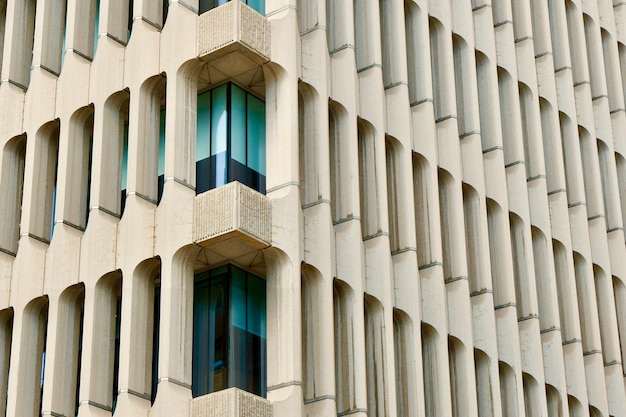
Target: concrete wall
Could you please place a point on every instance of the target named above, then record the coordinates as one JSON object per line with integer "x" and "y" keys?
{"x": 447, "y": 184}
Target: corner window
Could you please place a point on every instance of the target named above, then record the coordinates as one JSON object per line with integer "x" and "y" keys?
{"x": 230, "y": 143}
{"x": 229, "y": 332}
{"x": 206, "y": 5}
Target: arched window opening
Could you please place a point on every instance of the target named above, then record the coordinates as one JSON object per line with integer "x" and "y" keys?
{"x": 594, "y": 412}
{"x": 437, "y": 64}
{"x": 388, "y": 46}
{"x": 566, "y": 290}
{"x": 510, "y": 122}
{"x": 22, "y": 44}
{"x": 77, "y": 187}
{"x": 67, "y": 352}
{"x": 344, "y": 347}
{"x": 44, "y": 182}
{"x": 81, "y": 35}
{"x": 591, "y": 172}
{"x": 592, "y": 49}
{"x": 367, "y": 43}
{"x": 608, "y": 181}
{"x": 114, "y": 155}
{"x": 377, "y": 405}
{"x": 447, "y": 223}
{"x": 417, "y": 50}
{"x": 531, "y": 133}
{"x": 230, "y": 141}
{"x": 307, "y": 133}
{"x": 544, "y": 277}
{"x": 146, "y": 180}
{"x": 367, "y": 180}
{"x": 229, "y": 331}
{"x": 483, "y": 384}
{"x": 555, "y": 405}
{"x": 474, "y": 240}
{"x": 32, "y": 364}
{"x": 11, "y": 192}
{"x": 522, "y": 265}
{"x": 468, "y": 119}
{"x": 342, "y": 185}
{"x": 572, "y": 161}
{"x": 430, "y": 370}
{"x": 531, "y": 395}
{"x": 50, "y": 49}
{"x": 605, "y": 301}
{"x": 499, "y": 255}
{"x": 508, "y": 390}
{"x": 404, "y": 365}
{"x": 574, "y": 406}
{"x": 309, "y": 297}
{"x": 577, "y": 43}
{"x": 6, "y": 334}
{"x": 105, "y": 359}
{"x": 553, "y": 151}
{"x": 457, "y": 383}
{"x": 392, "y": 151}
{"x": 612, "y": 71}
{"x": 423, "y": 209}
{"x": 307, "y": 15}
{"x": 489, "y": 109}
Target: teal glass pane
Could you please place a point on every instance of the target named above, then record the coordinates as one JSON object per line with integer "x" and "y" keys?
{"x": 218, "y": 334}
{"x": 161, "y": 168}
{"x": 96, "y": 28}
{"x": 219, "y": 120}
{"x": 256, "y": 134}
{"x": 258, "y": 5}
{"x": 238, "y": 125}
{"x": 257, "y": 317}
{"x": 124, "y": 158}
{"x": 238, "y": 298}
{"x": 201, "y": 342}
{"x": 203, "y": 126}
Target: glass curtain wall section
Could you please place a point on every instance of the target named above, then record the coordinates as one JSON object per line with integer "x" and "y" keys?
{"x": 230, "y": 143}
{"x": 229, "y": 332}
{"x": 206, "y": 5}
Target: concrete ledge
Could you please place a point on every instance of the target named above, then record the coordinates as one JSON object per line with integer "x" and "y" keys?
{"x": 231, "y": 402}
{"x": 234, "y": 26}
{"x": 232, "y": 210}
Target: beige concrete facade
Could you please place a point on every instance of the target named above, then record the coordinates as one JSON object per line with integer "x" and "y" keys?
{"x": 442, "y": 232}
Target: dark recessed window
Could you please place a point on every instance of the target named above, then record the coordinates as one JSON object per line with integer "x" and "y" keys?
{"x": 229, "y": 332}
{"x": 230, "y": 143}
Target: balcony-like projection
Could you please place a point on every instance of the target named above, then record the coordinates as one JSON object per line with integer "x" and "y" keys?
{"x": 232, "y": 221}
{"x": 235, "y": 34}
{"x": 231, "y": 402}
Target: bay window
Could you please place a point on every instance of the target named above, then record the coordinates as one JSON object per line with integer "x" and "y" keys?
{"x": 229, "y": 331}
{"x": 230, "y": 142}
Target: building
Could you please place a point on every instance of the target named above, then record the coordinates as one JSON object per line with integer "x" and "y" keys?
{"x": 312, "y": 208}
